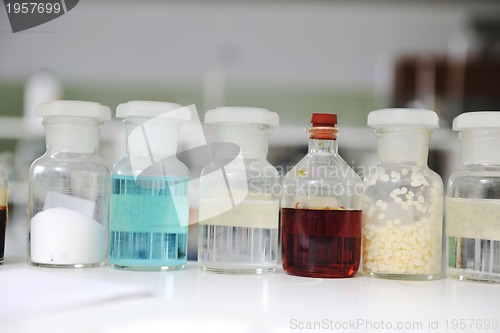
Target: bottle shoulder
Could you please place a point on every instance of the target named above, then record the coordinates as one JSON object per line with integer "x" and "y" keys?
{"x": 253, "y": 168}
{"x": 3, "y": 177}
{"x": 171, "y": 167}
{"x": 386, "y": 178}
{"x": 400, "y": 171}
{"x": 476, "y": 171}
{"x": 482, "y": 182}
{"x": 329, "y": 167}
{"x": 69, "y": 163}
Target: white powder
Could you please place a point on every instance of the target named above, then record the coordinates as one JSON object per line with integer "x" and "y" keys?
{"x": 66, "y": 237}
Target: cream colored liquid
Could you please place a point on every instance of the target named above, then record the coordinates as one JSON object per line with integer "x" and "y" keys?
{"x": 249, "y": 214}
{"x": 473, "y": 218}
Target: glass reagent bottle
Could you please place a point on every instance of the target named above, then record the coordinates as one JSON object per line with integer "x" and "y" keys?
{"x": 321, "y": 209}
{"x": 149, "y": 191}
{"x": 69, "y": 188}
{"x": 473, "y": 201}
{"x": 239, "y": 212}
{"x": 403, "y": 209}
{"x": 3, "y": 210}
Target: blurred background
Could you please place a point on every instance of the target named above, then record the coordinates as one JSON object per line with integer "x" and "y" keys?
{"x": 292, "y": 57}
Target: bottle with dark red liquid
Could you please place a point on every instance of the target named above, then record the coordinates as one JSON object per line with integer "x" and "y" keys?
{"x": 321, "y": 209}
{"x": 3, "y": 211}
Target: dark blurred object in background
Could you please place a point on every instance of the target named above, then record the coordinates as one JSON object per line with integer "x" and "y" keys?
{"x": 450, "y": 84}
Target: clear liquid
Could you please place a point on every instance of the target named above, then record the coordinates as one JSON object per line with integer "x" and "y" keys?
{"x": 474, "y": 259}
{"x": 237, "y": 250}
{"x": 148, "y": 223}
{"x": 148, "y": 249}
{"x": 473, "y": 231}
{"x": 241, "y": 240}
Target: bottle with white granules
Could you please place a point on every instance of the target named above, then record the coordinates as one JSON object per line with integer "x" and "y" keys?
{"x": 403, "y": 207}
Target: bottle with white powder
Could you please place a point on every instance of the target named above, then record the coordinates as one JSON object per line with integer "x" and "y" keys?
{"x": 69, "y": 188}
{"x": 402, "y": 215}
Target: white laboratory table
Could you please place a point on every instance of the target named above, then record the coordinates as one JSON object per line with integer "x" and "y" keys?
{"x": 108, "y": 300}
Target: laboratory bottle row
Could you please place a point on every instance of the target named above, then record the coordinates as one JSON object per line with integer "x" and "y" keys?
{"x": 333, "y": 223}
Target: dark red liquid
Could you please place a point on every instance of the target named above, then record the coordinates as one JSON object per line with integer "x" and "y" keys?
{"x": 321, "y": 243}
{"x": 3, "y": 225}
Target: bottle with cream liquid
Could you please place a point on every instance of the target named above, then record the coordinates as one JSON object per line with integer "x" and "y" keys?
{"x": 239, "y": 195}
{"x": 473, "y": 201}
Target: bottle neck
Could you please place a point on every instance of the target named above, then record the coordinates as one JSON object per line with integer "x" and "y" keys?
{"x": 252, "y": 139}
{"x": 407, "y": 145}
{"x": 153, "y": 138}
{"x": 3, "y": 188}
{"x": 323, "y": 140}
{"x": 323, "y": 146}
{"x": 72, "y": 134}
{"x": 480, "y": 146}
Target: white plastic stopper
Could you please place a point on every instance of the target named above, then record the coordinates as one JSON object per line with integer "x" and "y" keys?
{"x": 480, "y": 134}
{"x": 66, "y": 108}
{"x": 406, "y": 117}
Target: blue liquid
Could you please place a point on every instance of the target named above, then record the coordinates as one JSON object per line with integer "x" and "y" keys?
{"x": 148, "y": 222}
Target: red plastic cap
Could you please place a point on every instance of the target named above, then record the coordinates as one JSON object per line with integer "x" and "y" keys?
{"x": 324, "y": 119}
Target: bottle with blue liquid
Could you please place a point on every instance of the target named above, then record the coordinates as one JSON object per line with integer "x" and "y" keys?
{"x": 149, "y": 208}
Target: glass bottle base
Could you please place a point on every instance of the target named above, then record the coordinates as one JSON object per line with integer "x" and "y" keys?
{"x": 47, "y": 265}
{"x": 323, "y": 272}
{"x": 407, "y": 277}
{"x": 237, "y": 250}
{"x": 237, "y": 270}
{"x": 470, "y": 275}
{"x": 149, "y": 268}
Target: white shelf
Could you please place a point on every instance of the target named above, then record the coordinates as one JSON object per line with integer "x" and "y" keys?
{"x": 195, "y": 301}
{"x": 13, "y": 128}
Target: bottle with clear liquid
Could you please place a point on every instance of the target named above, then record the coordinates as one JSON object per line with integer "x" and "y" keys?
{"x": 149, "y": 210}
{"x": 69, "y": 188}
{"x": 3, "y": 210}
{"x": 473, "y": 201}
{"x": 321, "y": 209}
{"x": 403, "y": 209}
{"x": 239, "y": 195}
